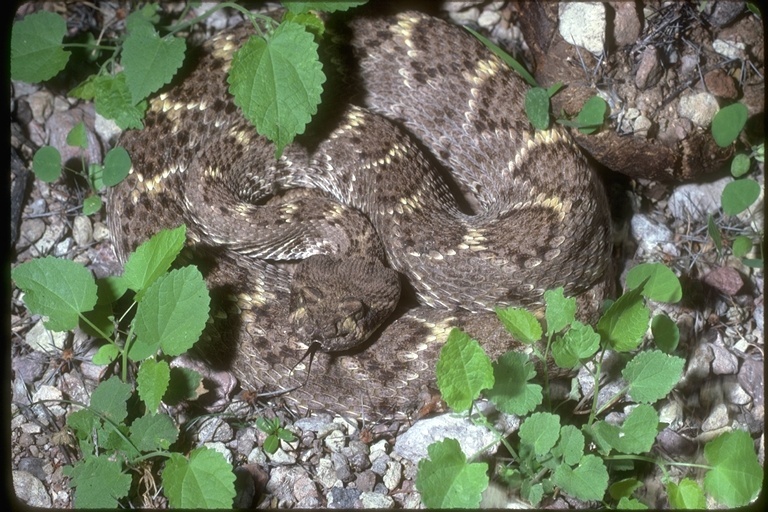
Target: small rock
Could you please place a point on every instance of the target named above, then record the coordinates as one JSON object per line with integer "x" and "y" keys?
{"x": 31, "y": 231}
{"x": 734, "y": 393}
{"x": 726, "y": 280}
{"x": 752, "y": 379}
{"x": 53, "y": 396}
{"x": 721, "y": 84}
{"x": 349, "y": 427}
{"x": 699, "y": 107}
{"x": 315, "y": 423}
{"x": 357, "y": 454}
{"x": 340, "y": 497}
{"x": 53, "y": 233}
{"x": 30, "y": 490}
{"x": 695, "y": 201}
{"x": 583, "y": 24}
{"x": 245, "y": 440}
{"x": 651, "y": 236}
{"x": 257, "y": 456}
{"x": 215, "y": 429}
{"x": 326, "y": 475}
{"x": 379, "y": 465}
{"x": 29, "y": 367}
{"x": 100, "y": 232}
{"x": 393, "y": 475}
{"x": 82, "y": 230}
{"x": 291, "y": 485}
{"x": 729, "y": 49}
{"x": 62, "y": 248}
{"x": 41, "y": 104}
{"x": 281, "y": 457}
{"x": 462, "y": 16}
{"x": 641, "y": 126}
{"x": 42, "y": 340}
{"x": 626, "y": 23}
{"x": 488, "y": 19}
{"x": 376, "y": 500}
{"x": 717, "y": 419}
{"x": 335, "y": 440}
{"x": 649, "y": 71}
{"x": 722, "y": 12}
{"x": 341, "y": 466}
{"x": 366, "y": 481}
{"x": 106, "y": 129}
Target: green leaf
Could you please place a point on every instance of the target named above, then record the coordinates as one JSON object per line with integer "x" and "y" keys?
{"x": 740, "y": 165}
{"x": 117, "y": 163}
{"x": 739, "y": 195}
{"x": 714, "y": 233}
{"x": 663, "y": 285}
{"x": 271, "y": 444}
{"x": 152, "y": 382}
{"x": 758, "y": 152}
{"x": 153, "y": 432}
{"x": 511, "y": 391}
{"x": 147, "y": 16}
{"x": 308, "y": 20}
{"x": 110, "y": 398}
{"x": 540, "y": 431}
{"x": 46, "y": 164}
{"x": 445, "y": 480}
{"x": 651, "y": 375}
{"x": 625, "y": 322}
{"x": 737, "y": 476}
{"x": 172, "y": 314}
{"x": 521, "y": 324}
{"x": 570, "y": 446}
{"x": 728, "y": 123}
{"x": 105, "y": 355}
{"x": 152, "y": 259}
{"x": 277, "y": 82}
{"x": 57, "y": 288}
{"x": 686, "y": 495}
{"x": 98, "y": 481}
{"x": 36, "y": 52}
{"x": 666, "y": 334}
{"x": 631, "y": 504}
{"x": 507, "y": 58}
{"x": 205, "y": 480}
{"x": 592, "y": 114}
{"x": 579, "y": 342}
{"x": 463, "y": 370}
{"x": 588, "y": 481}
{"x": 560, "y": 312}
{"x": 741, "y": 246}
{"x": 77, "y": 137}
{"x": 150, "y": 62}
{"x": 637, "y": 433}
{"x": 624, "y": 488}
{"x": 301, "y": 7}
{"x": 537, "y": 107}
{"x": 184, "y": 386}
{"x": 91, "y": 205}
{"x": 112, "y": 99}
{"x": 554, "y": 88}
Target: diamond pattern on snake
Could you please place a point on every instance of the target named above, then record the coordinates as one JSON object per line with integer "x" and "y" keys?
{"x": 419, "y": 199}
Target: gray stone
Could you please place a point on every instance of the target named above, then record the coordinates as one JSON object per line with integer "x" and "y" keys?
{"x": 729, "y": 49}
{"x": 695, "y": 201}
{"x": 394, "y": 475}
{"x": 641, "y": 126}
{"x": 335, "y": 440}
{"x": 52, "y": 397}
{"x": 82, "y": 230}
{"x": 315, "y": 423}
{"x": 221, "y": 448}
{"x": 30, "y": 490}
{"x": 734, "y": 393}
{"x": 340, "y": 497}
{"x": 376, "y": 500}
{"x": 488, "y": 19}
{"x": 652, "y": 237}
{"x": 281, "y": 457}
{"x": 53, "y": 233}
{"x": 291, "y": 485}
{"x": 42, "y": 340}
{"x": 62, "y": 248}
{"x": 626, "y": 23}
{"x": 699, "y": 107}
{"x": 341, "y": 466}
{"x": 649, "y": 71}
{"x": 326, "y": 475}
{"x": 30, "y": 231}
{"x": 366, "y": 481}
{"x": 717, "y": 419}
{"x": 413, "y": 443}
{"x": 583, "y": 24}
{"x": 215, "y": 429}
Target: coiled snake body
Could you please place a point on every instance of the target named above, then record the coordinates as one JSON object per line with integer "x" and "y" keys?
{"x": 432, "y": 168}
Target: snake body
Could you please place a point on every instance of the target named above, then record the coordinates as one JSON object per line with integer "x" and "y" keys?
{"x": 431, "y": 169}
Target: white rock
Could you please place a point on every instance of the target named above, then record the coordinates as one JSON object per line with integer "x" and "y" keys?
{"x": 699, "y": 107}
{"x": 82, "y": 230}
{"x": 651, "y": 236}
{"x": 488, "y": 19}
{"x": 50, "y": 393}
{"x": 695, "y": 201}
{"x": 583, "y": 24}
{"x": 41, "y": 339}
{"x": 413, "y": 443}
{"x": 376, "y": 500}
{"x": 729, "y": 49}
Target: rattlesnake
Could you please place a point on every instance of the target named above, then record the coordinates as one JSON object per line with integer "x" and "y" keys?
{"x": 524, "y": 212}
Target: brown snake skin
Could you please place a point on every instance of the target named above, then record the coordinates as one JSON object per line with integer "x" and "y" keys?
{"x": 431, "y": 98}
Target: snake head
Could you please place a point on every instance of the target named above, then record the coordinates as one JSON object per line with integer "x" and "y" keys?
{"x": 339, "y": 302}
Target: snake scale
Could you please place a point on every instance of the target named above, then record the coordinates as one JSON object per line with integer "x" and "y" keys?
{"x": 425, "y": 164}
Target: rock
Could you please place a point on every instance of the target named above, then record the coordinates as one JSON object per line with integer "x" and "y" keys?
{"x": 62, "y": 248}
{"x": 413, "y": 443}
{"x": 641, "y": 126}
{"x": 292, "y": 487}
{"x": 752, "y": 379}
{"x": 42, "y": 340}
{"x": 651, "y": 236}
{"x": 326, "y": 475}
{"x": 221, "y": 448}
{"x": 734, "y": 393}
{"x": 366, "y": 481}
{"x": 340, "y": 497}
{"x": 31, "y": 231}
{"x": 341, "y": 467}
{"x": 721, "y": 13}
{"x": 393, "y": 475}
{"x": 729, "y": 49}
{"x": 699, "y": 107}
{"x": 214, "y": 429}
{"x": 53, "y": 233}
{"x": 315, "y": 423}
{"x": 725, "y": 362}
{"x": 488, "y": 19}
{"x": 583, "y": 24}
{"x": 100, "y": 232}
{"x": 335, "y": 440}
{"x": 721, "y": 84}
{"x": 376, "y": 500}
{"x": 726, "y": 280}
{"x": 717, "y": 419}
{"x": 695, "y": 201}
{"x": 52, "y": 395}
{"x": 82, "y": 230}
{"x": 626, "y": 23}
{"x": 30, "y": 490}
{"x": 649, "y": 70}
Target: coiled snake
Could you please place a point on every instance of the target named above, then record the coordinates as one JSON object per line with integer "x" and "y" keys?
{"x": 432, "y": 168}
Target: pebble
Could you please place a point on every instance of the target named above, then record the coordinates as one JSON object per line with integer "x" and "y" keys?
{"x": 583, "y": 24}
{"x": 291, "y": 486}
{"x": 339, "y": 497}
{"x": 699, "y": 107}
{"x": 214, "y": 429}
{"x": 31, "y": 231}
{"x": 726, "y": 280}
{"x": 366, "y": 480}
{"x": 30, "y": 490}
{"x": 641, "y": 126}
{"x": 53, "y": 233}
{"x": 649, "y": 71}
{"x": 717, "y": 419}
{"x": 376, "y": 500}
{"x": 281, "y": 457}
{"x": 335, "y": 440}
{"x": 326, "y": 475}
{"x": 720, "y": 84}
{"x": 488, "y": 19}
{"x": 626, "y": 23}
{"x": 100, "y": 232}
{"x": 729, "y": 49}
{"x": 42, "y": 340}
{"x": 62, "y": 248}
{"x": 651, "y": 236}
{"x": 341, "y": 467}
{"x": 695, "y": 201}
{"x": 734, "y": 393}
{"x": 393, "y": 475}
{"x": 82, "y": 230}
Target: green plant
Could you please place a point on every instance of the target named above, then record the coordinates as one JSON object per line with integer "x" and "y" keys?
{"x": 171, "y": 309}
{"x": 552, "y": 456}
{"x": 275, "y": 433}
{"x": 740, "y": 194}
